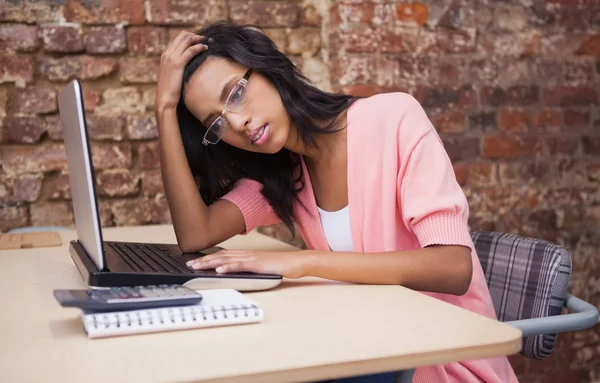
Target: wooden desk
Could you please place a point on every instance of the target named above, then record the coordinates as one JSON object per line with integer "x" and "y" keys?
{"x": 314, "y": 329}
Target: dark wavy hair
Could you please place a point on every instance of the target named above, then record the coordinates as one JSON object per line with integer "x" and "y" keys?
{"x": 216, "y": 168}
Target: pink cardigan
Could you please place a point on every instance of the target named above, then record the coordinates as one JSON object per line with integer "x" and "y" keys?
{"x": 402, "y": 195}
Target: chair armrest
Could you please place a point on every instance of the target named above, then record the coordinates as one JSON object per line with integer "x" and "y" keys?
{"x": 582, "y": 315}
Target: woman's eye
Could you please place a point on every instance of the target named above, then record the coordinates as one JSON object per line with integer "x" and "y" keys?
{"x": 237, "y": 95}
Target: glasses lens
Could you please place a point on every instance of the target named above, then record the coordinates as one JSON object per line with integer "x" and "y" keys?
{"x": 215, "y": 132}
{"x": 236, "y": 100}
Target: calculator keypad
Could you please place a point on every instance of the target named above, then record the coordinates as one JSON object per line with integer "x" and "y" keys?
{"x": 143, "y": 292}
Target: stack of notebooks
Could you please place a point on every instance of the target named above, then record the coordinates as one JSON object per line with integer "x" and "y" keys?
{"x": 219, "y": 307}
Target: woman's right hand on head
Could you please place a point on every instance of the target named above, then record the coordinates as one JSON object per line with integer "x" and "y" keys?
{"x": 172, "y": 62}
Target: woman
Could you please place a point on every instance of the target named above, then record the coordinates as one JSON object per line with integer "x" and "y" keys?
{"x": 247, "y": 140}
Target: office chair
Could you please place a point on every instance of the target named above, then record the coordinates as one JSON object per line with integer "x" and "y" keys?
{"x": 528, "y": 279}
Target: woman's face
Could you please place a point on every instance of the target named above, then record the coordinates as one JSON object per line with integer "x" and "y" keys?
{"x": 258, "y": 121}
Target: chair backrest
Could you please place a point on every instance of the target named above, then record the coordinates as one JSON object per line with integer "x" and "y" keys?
{"x": 527, "y": 278}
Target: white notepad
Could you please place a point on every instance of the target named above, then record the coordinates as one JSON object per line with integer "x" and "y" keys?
{"x": 219, "y": 307}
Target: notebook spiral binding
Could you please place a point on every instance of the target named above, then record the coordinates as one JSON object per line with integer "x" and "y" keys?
{"x": 166, "y": 316}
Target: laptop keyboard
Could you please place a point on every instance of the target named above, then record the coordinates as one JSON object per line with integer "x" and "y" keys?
{"x": 149, "y": 257}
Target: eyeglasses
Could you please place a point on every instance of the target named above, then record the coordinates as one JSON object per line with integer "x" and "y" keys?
{"x": 235, "y": 101}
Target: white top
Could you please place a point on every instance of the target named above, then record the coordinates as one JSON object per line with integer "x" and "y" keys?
{"x": 336, "y": 226}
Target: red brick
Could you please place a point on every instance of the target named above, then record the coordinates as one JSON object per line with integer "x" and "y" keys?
{"x": 515, "y": 71}
{"x": 18, "y": 37}
{"x": 52, "y": 213}
{"x": 148, "y": 98}
{"x": 510, "y": 147}
{"x": 34, "y": 100}
{"x": 59, "y": 187}
{"x": 514, "y": 44}
{"x": 16, "y": 69}
{"x": 106, "y": 11}
{"x": 118, "y": 182}
{"x": 304, "y": 41}
{"x": 565, "y": 96}
{"x": 31, "y": 11}
{"x": 482, "y": 70}
{"x": 185, "y": 12}
{"x": 453, "y": 121}
{"x": 482, "y": 174}
{"x": 3, "y": 102}
{"x": 149, "y": 155}
{"x": 105, "y": 39}
{"x": 32, "y": 159}
{"x": 54, "y": 127}
{"x": 510, "y": 18}
{"x": 459, "y": 41}
{"x": 12, "y": 217}
{"x": 522, "y": 172}
{"x": 62, "y": 38}
{"x": 147, "y": 40}
{"x": 589, "y": 46}
{"x": 120, "y": 101}
{"x": 346, "y": 15}
{"x": 416, "y": 13}
{"x": 462, "y": 148}
{"x": 105, "y": 128}
{"x": 159, "y": 211}
{"x": 460, "y": 172}
{"x": 91, "y": 98}
{"x": 492, "y": 96}
{"x": 265, "y": 13}
{"x": 548, "y": 120}
{"x": 364, "y": 69}
{"x": 363, "y": 90}
{"x": 23, "y": 130}
{"x": 106, "y": 216}
{"x": 578, "y": 72}
{"x": 417, "y": 69}
{"x": 131, "y": 212}
{"x": 378, "y": 40}
{"x": 139, "y": 70}
{"x": 141, "y": 127}
{"x": 310, "y": 16}
{"x": 562, "y": 145}
{"x": 483, "y": 122}
{"x": 591, "y": 145}
{"x": 107, "y": 155}
{"x": 449, "y": 71}
{"x": 152, "y": 182}
{"x": 513, "y": 120}
{"x": 279, "y": 37}
{"x": 25, "y": 188}
{"x": 560, "y": 44}
{"x": 523, "y": 95}
{"x": 461, "y": 98}
{"x": 83, "y": 67}
{"x": 576, "y": 119}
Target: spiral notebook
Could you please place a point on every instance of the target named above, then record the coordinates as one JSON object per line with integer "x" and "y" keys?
{"x": 219, "y": 307}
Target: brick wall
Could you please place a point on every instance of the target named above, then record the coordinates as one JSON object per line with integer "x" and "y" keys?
{"x": 512, "y": 86}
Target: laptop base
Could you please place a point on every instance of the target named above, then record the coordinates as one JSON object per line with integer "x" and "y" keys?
{"x": 93, "y": 277}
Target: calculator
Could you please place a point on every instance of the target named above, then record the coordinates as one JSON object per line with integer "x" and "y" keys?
{"x": 128, "y": 298}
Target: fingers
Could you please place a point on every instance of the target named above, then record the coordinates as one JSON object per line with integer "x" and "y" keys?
{"x": 187, "y": 40}
{"x": 185, "y": 46}
{"x": 213, "y": 261}
{"x": 192, "y": 51}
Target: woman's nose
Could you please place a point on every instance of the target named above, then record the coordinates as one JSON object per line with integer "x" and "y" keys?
{"x": 239, "y": 122}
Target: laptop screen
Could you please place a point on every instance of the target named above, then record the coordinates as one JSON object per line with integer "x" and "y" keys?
{"x": 81, "y": 172}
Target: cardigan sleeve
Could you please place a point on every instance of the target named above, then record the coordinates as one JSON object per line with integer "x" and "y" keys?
{"x": 246, "y": 195}
{"x": 433, "y": 205}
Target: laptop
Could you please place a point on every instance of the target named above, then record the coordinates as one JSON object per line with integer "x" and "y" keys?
{"x": 110, "y": 263}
